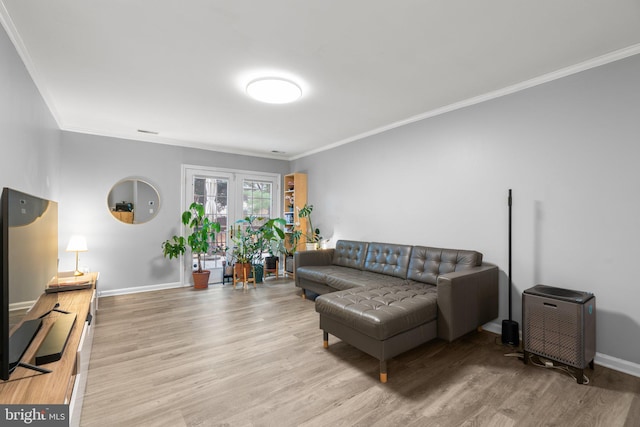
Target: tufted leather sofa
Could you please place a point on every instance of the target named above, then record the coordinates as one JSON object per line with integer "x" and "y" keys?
{"x": 387, "y": 298}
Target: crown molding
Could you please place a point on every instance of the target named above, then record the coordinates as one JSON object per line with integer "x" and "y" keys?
{"x": 157, "y": 139}
{"x": 23, "y": 53}
{"x": 545, "y": 78}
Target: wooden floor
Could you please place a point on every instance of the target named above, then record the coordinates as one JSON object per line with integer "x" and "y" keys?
{"x": 225, "y": 357}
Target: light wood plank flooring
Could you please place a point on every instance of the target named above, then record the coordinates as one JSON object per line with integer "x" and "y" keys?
{"x": 225, "y": 357}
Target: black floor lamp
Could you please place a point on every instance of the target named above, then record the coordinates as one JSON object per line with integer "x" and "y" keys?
{"x": 510, "y": 329}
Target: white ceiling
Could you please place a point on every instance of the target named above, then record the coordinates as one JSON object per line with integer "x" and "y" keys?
{"x": 111, "y": 67}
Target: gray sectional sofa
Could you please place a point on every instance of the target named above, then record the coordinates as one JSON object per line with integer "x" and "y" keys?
{"x": 385, "y": 299}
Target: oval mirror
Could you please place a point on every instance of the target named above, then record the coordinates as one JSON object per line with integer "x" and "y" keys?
{"x": 133, "y": 201}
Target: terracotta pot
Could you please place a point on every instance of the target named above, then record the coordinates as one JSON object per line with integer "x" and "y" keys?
{"x": 201, "y": 280}
{"x": 239, "y": 267}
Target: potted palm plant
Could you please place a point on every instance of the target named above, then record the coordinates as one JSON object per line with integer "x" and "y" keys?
{"x": 203, "y": 232}
{"x": 313, "y": 234}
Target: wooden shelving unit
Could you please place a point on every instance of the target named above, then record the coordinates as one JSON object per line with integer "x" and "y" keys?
{"x": 294, "y": 198}
{"x": 123, "y": 216}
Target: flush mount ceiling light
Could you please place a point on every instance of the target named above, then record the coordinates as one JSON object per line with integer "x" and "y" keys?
{"x": 274, "y": 90}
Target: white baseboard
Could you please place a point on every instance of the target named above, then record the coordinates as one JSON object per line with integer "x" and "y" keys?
{"x": 494, "y": 327}
{"x": 136, "y": 289}
{"x": 605, "y": 360}
{"x": 618, "y": 364}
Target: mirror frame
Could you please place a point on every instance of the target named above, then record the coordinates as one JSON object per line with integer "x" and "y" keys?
{"x": 150, "y": 200}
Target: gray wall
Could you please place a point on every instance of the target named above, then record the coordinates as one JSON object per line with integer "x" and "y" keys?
{"x": 570, "y": 151}
{"x": 29, "y": 135}
{"x": 130, "y": 256}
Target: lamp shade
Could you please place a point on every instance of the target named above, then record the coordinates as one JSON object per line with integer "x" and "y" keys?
{"x": 77, "y": 244}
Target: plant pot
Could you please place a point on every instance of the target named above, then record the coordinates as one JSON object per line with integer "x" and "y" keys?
{"x": 288, "y": 265}
{"x": 201, "y": 280}
{"x": 312, "y": 246}
{"x": 242, "y": 270}
{"x": 259, "y": 269}
{"x": 271, "y": 263}
{"x": 271, "y": 266}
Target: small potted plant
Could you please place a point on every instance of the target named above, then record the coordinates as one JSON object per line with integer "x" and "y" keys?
{"x": 272, "y": 235}
{"x": 271, "y": 261}
{"x": 251, "y": 241}
{"x": 242, "y": 251}
{"x": 203, "y": 231}
{"x": 313, "y": 234}
{"x": 290, "y": 250}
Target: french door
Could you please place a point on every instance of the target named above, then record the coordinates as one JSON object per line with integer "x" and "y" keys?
{"x": 227, "y": 196}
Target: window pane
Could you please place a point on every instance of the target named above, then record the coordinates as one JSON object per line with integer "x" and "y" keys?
{"x": 212, "y": 193}
{"x": 256, "y": 199}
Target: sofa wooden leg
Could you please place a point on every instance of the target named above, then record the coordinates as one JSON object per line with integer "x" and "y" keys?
{"x": 325, "y": 339}
{"x": 304, "y": 295}
{"x": 383, "y": 371}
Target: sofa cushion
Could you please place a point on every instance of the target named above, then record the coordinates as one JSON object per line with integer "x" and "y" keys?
{"x": 336, "y": 276}
{"x": 315, "y": 273}
{"x": 387, "y": 258}
{"x": 341, "y": 278}
{"x": 349, "y": 253}
{"x": 381, "y": 312}
{"x": 346, "y": 278}
{"x": 427, "y": 263}
{"x": 376, "y": 280}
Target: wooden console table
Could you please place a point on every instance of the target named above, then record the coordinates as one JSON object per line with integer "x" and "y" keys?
{"x": 66, "y": 383}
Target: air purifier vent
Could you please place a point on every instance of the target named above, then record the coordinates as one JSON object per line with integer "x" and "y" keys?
{"x": 559, "y": 329}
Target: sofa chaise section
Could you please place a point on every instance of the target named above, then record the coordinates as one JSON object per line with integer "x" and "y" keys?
{"x": 383, "y": 322}
{"x": 386, "y": 299}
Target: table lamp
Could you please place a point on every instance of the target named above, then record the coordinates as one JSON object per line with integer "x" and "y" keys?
{"x": 77, "y": 244}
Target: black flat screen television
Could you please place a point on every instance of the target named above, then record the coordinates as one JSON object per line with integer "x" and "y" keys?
{"x": 29, "y": 255}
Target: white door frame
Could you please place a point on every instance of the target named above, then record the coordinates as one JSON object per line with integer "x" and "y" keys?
{"x": 236, "y": 177}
